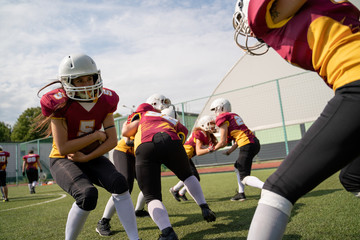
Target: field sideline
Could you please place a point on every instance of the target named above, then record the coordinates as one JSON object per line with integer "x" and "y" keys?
{"x": 327, "y": 212}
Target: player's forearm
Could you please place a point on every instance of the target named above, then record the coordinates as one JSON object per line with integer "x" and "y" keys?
{"x": 77, "y": 144}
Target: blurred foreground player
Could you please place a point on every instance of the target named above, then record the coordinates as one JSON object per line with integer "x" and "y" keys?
{"x": 321, "y": 36}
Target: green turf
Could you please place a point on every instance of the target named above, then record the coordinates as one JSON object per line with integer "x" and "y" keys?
{"x": 327, "y": 212}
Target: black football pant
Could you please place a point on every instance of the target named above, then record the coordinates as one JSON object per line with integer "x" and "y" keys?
{"x": 330, "y": 144}
{"x": 149, "y": 157}
{"x": 77, "y": 179}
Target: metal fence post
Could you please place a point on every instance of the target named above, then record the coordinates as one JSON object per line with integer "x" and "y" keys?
{"x": 282, "y": 117}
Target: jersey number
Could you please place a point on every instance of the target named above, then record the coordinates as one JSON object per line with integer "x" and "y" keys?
{"x": 238, "y": 120}
{"x": 86, "y": 126}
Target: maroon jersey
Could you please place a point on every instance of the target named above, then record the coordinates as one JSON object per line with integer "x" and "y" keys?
{"x": 153, "y": 122}
{"x": 319, "y": 37}
{"x": 3, "y": 160}
{"x": 31, "y": 161}
{"x": 237, "y": 130}
{"x": 190, "y": 145}
{"x": 79, "y": 120}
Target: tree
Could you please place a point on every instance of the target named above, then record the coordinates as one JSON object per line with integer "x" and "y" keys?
{"x": 23, "y": 128}
{"x": 5, "y": 132}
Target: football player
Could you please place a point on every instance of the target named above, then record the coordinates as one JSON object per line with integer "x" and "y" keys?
{"x": 31, "y": 163}
{"x": 157, "y": 142}
{"x": 321, "y": 36}
{"x": 201, "y": 142}
{"x": 75, "y": 114}
{"x": 232, "y": 128}
{"x": 3, "y": 163}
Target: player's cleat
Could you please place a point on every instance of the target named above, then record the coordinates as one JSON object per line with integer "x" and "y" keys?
{"x": 168, "y": 234}
{"x": 238, "y": 197}
{"x": 103, "y": 227}
{"x": 32, "y": 190}
{"x": 175, "y": 194}
{"x": 208, "y": 215}
{"x": 5, "y": 200}
{"x": 141, "y": 213}
{"x": 183, "y": 197}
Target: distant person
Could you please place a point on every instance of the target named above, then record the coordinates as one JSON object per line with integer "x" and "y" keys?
{"x": 158, "y": 141}
{"x": 321, "y": 36}
{"x": 201, "y": 142}
{"x": 232, "y": 128}
{"x": 31, "y": 163}
{"x": 3, "y": 163}
{"x": 75, "y": 115}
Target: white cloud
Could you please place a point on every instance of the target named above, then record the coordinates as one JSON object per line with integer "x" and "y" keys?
{"x": 180, "y": 49}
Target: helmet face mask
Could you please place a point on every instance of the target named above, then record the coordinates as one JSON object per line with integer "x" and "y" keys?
{"x": 78, "y": 65}
{"x": 207, "y": 123}
{"x": 220, "y": 105}
{"x": 159, "y": 101}
{"x": 243, "y": 35}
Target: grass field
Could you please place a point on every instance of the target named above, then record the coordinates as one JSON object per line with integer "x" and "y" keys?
{"x": 327, "y": 212}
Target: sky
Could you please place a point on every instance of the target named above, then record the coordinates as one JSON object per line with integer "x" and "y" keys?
{"x": 181, "y": 49}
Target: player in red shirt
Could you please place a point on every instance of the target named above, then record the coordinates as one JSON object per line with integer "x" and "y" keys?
{"x": 321, "y": 36}
{"x": 76, "y": 114}
{"x": 201, "y": 142}
{"x": 233, "y": 128}
{"x": 158, "y": 141}
{"x": 31, "y": 163}
{"x": 3, "y": 163}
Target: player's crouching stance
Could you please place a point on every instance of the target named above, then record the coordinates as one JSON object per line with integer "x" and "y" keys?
{"x": 158, "y": 141}
{"x": 74, "y": 115}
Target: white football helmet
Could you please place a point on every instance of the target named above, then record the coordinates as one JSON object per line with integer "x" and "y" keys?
{"x": 220, "y": 105}
{"x": 170, "y": 111}
{"x": 159, "y": 101}
{"x": 1, "y": 148}
{"x": 207, "y": 123}
{"x": 241, "y": 26}
{"x": 42, "y": 176}
{"x": 77, "y": 65}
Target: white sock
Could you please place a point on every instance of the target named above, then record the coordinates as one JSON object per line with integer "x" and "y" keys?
{"x": 34, "y": 183}
{"x": 193, "y": 186}
{"x": 140, "y": 203}
{"x": 125, "y": 210}
{"x": 179, "y": 185}
{"x": 240, "y": 184}
{"x": 182, "y": 191}
{"x": 253, "y": 182}
{"x": 356, "y": 194}
{"x": 75, "y": 222}
{"x": 270, "y": 218}
{"x": 159, "y": 214}
{"x": 29, "y": 185}
{"x": 109, "y": 209}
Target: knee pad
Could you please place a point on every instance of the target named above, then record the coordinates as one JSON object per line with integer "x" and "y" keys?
{"x": 119, "y": 184}
{"x": 88, "y": 200}
{"x": 275, "y": 200}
